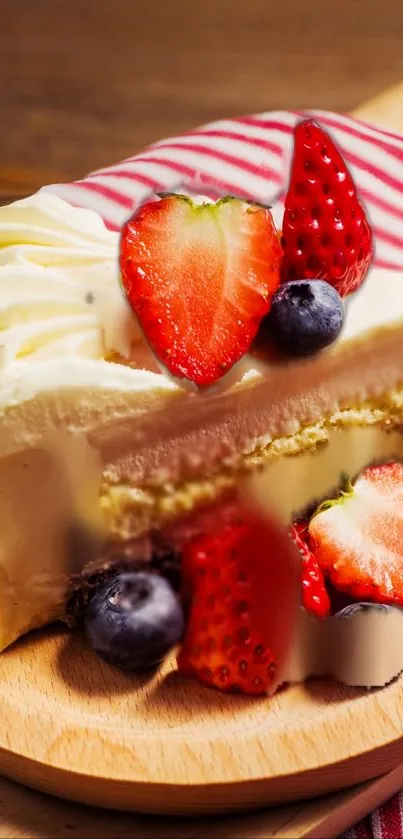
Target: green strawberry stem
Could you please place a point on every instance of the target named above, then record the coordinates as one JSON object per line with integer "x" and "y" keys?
{"x": 346, "y": 491}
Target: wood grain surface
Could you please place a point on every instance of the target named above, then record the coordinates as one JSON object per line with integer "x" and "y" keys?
{"x": 25, "y": 814}
{"x": 85, "y": 83}
{"x": 75, "y": 727}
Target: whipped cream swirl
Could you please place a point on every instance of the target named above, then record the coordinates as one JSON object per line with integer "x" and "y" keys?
{"x": 60, "y": 292}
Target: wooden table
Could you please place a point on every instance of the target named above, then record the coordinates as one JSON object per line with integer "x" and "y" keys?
{"x": 85, "y": 83}
{"x": 82, "y": 88}
{"x": 28, "y": 815}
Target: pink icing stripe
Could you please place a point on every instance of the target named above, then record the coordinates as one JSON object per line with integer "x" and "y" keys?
{"x": 266, "y": 123}
{"x": 231, "y": 135}
{"x": 381, "y": 174}
{"x": 120, "y": 169}
{"x": 356, "y": 160}
{"x": 203, "y": 179}
{"x": 383, "y": 132}
{"x": 389, "y": 266}
{"x": 151, "y": 183}
{"x": 199, "y": 162}
{"x": 131, "y": 174}
{"x": 368, "y": 133}
{"x": 106, "y": 191}
{"x": 371, "y": 139}
{"x": 239, "y": 162}
{"x": 126, "y": 201}
{"x": 388, "y": 237}
{"x": 382, "y": 203}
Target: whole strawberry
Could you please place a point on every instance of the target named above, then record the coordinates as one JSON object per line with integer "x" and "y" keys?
{"x": 200, "y": 278}
{"x": 325, "y": 231}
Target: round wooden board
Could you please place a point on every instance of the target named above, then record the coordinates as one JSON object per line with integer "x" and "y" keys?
{"x": 73, "y": 726}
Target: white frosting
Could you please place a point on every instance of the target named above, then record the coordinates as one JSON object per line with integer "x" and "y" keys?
{"x": 59, "y": 285}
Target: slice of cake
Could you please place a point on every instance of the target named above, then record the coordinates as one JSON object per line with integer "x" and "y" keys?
{"x": 106, "y": 457}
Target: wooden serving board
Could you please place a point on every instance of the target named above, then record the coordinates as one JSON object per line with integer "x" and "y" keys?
{"x": 72, "y": 726}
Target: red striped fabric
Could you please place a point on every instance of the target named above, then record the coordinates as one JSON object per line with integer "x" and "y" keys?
{"x": 384, "y": 823}
{"x": 249, "y": 156}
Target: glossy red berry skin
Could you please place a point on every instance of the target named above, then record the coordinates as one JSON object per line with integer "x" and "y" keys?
{"x": 326, "y": 234}
{"x": 315, "y": 598}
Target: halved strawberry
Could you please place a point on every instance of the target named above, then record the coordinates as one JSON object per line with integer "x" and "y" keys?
{"x": 325, "y": 231}
{"x": 243, "y": 584}
{"x": 315, "y": 598}
{"x": 358, "y": 538}
{"x": 200, "y": 278}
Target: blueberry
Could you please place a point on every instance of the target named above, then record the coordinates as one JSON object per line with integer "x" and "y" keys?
{"x": 134, "y": 620}
{"x": 305, "y": 316}
{"x": 362, "y": 606}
